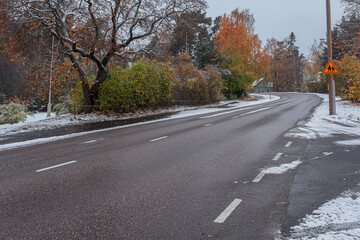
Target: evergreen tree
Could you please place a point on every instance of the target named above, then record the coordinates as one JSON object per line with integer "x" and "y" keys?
{"x": 205, "y": 51}
{"x": 188, "y": 27}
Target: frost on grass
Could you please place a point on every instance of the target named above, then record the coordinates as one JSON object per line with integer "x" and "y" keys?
{"x": 283, "y": 168}
{"x": 336, "y": 219}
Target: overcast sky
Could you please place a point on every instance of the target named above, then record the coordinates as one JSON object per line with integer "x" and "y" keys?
{"x": 278, "y": 18}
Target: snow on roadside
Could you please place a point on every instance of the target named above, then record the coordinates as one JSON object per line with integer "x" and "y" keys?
{"x": 39, "y": 121}
{"x": 347, "y": 121}
{"x": 231, "y": 104}
{"x": 336, "y": 219}
{"x": 354, "y": 142}
{"x": 283, "y": 168}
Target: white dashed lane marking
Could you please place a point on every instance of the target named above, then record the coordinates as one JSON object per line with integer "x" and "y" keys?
{"x": 157, "y": 139}
{"x": 208, "y": 125}
{"x": 226, "y": 213}
{"x": 288, "y": 144}
{"x": 277, "y": 156}
{"x": 259, "y": 177}
{"x": 55, "y": 166}
{"x": 93, "y": 141}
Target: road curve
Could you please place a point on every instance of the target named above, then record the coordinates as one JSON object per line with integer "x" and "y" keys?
{"x": 189, "y": 178}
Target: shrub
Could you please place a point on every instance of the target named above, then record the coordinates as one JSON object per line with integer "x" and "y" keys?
{"x": 348, "y": 81}
{"x": 12, "y": 113}
{"x": 37, "y": 105}
{"x": 214, "y": 82}
{"x": 147, "y": 84}
{"x": 64, "y": 107}
{"x": 194, "y": 86}
{"x": 235, "y": 84}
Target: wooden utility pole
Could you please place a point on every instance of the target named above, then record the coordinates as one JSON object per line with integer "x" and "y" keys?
{"x": 330, "y": 77}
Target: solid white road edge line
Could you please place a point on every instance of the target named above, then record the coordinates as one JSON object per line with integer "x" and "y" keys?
{"x": 73, "y": 135}
{"x": 259, "y": 110}
{"x": 157, "y": 139}
{"x": 277, "y": 157}
{"x": 259, "y": 177}
{"x": 219, "y": 114}
{"x": 288, "y": 144}
{"x": 226, "y": 213}
{"x": 244, "y": 114}
{"x": 59, "y": 165}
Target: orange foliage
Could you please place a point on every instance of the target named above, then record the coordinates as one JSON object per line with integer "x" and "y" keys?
{"x": 348, "y": 82}
{"x": 236, "y": 37}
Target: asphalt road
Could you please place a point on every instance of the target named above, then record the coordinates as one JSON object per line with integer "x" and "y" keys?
{"x": 328, "y": 170}
{"x": 189, "y": 178}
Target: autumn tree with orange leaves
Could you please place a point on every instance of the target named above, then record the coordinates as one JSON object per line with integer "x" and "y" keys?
{"x": 346, "y": 48}
{"x": 242, "y": 51}
{"x": 99, "y": 31}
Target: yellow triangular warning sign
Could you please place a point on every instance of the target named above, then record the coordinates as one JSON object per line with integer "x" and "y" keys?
{"x": 330, "y": 68}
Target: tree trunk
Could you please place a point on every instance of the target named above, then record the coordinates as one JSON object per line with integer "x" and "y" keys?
{"x": 87, "y": 98}
{"x": 100, "y": 79}
{"x": 87, "y": 104}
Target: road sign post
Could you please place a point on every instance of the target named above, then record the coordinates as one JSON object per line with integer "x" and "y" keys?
{"x": 332, "y": 107}
{"x": 330, "y": 68}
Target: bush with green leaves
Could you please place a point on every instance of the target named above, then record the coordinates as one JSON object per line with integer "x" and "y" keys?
{"x": 147, "y": 84}
{"x": 235, "y": 85}
{"x": 12, "y": 113}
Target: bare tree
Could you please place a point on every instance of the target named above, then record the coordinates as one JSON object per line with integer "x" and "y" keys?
{"x": 352, "y": 7}
{"x": 98, "y": 30}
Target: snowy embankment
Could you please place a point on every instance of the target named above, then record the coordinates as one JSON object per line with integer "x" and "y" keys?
{"x": 40, "y": 121}
{"x": 338, "y": 218}
{"x": 346, "y": 121}
{"x": 341, "y": 215}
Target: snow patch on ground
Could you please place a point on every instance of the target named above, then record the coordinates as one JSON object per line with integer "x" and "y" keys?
{"x": 283, "y": 168}
{"x": 347, "y": 121}
{"x": 354, "y": 142}
{"x": 336, "y": 219}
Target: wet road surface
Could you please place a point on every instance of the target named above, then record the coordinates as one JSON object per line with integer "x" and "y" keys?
{"x": 190, "y": 178}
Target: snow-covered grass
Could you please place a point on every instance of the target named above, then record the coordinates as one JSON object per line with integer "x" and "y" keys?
{"x": 39, "y": 121}
{"x": 347, "y": 121}
{"x": 336, "y": 219}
